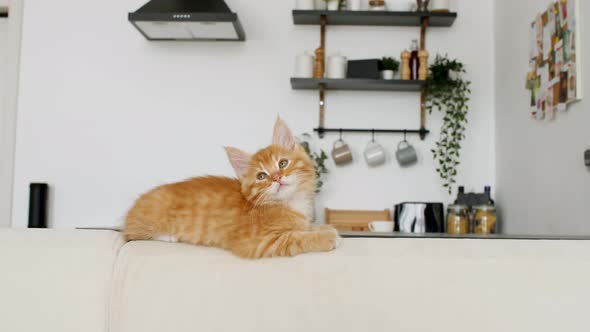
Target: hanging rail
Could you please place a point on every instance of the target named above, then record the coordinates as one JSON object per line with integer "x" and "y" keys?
{"x": 422, "y": 132}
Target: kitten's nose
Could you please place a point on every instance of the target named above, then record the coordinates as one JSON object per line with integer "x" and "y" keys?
{"x": 277, "y": 178}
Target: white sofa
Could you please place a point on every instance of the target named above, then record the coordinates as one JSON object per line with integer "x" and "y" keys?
{"x": 89, "y": 281}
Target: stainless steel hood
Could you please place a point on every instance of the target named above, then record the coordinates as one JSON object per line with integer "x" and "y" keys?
{"x": 187, "y": 20}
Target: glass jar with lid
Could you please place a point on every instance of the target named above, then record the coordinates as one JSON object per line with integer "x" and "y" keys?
{"x": 457, "y": 219}
{"x": 484, "y": 219}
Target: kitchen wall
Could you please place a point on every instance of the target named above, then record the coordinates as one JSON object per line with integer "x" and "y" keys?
{"x": 9, "y": 55}
{"x": 543, "y": 185}
{"x": 104, "y": 114}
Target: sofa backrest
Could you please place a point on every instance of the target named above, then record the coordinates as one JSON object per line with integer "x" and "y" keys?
{"x": 366, "y": 285}
{"x": 56, "y": 280}
{"x": 62, "y": 281}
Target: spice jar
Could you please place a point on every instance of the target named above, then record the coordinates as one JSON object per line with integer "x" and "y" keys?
{"x": 457, "y": 219}
{"x": 484, "y": 219}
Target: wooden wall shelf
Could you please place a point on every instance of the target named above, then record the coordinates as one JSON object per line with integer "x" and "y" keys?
{"x": 373, "y": 18}
{"x": 356, "y": 84}
{"x": 324, "y": 18}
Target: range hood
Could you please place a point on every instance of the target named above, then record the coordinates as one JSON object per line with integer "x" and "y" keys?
{"x": 187, "y": 20}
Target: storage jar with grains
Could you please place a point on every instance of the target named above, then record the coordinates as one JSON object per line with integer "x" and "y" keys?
{"x": 484, "y": 220}
{"x": 457, "y": 219}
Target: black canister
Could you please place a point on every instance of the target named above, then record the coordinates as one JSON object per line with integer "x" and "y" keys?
{"x": 38, "y": 197}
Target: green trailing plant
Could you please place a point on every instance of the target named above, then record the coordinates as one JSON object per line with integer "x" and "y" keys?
{"x": 318, "y": 159}
{"x": 448, "y": 92}
{"x": 390, "y": 64}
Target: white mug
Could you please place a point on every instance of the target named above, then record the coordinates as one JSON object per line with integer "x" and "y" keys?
{"x": 304, "y": 65}
{"x": 374, "y": 154}
{"x": 305, "y": 4}
{"x": 336, "y": 66}
{"x": 381, "y": 226}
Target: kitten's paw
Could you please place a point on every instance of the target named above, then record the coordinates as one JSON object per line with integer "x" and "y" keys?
{"x": 338, "y": 242}
{"x": 333, "y": 237}
{"x": 322, "y": 227}
{"x": 165, "y": 238}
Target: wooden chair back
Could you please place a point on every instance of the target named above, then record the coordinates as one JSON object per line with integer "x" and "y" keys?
{"x": 354, "y": 220}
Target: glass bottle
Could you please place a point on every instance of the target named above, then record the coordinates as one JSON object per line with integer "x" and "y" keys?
{"x": 414, "y": 60}
{"x": 488, "y": 191}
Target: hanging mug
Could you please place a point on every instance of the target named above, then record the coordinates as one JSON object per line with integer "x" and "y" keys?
{"x": 406, "y": 154}
{"x": 374, "y": 153}
{"x": 341, "y": 153}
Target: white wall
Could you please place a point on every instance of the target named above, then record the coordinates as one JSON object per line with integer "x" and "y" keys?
{"x": 104, "y": 115}
{"x": 9, "y": 55}
{"x": 543, "y": 186}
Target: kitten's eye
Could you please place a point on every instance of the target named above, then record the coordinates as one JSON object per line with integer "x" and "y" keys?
{"x": 283, "y": 163}
{"x": 261, "y": 176}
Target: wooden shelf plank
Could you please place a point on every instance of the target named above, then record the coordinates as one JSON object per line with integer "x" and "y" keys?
{"x": 356, "y": 84}
{"x": 382, "y": 18}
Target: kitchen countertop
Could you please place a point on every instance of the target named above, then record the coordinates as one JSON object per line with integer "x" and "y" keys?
{"x": 466, "y": 236}
{"x": 398, "y": 235}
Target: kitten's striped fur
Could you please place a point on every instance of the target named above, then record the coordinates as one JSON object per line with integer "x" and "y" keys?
{"x": 253, "y": 216}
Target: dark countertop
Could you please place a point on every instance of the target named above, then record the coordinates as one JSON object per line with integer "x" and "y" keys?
{"x": 398, "y": 235}
{"x": 466, "y": 236}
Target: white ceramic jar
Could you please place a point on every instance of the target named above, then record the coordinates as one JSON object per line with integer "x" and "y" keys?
{"x": 400, "y": 5}
{"x": 337, "y": 65}
{"x": 305, "y": 4}
{"x": 333, "y": 4}
{"x": 355, "y": 5}
{"x": 320, "y": 5}
{"x": 304, "y": 65}
{"x": 441, "y": 5}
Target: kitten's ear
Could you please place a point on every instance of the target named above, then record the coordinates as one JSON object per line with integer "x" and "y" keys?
{"x": 239, "y": 160}
{"x": 283, "y": 136}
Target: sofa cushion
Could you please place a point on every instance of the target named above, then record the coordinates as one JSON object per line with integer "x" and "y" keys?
{"x": 366, "y": 285}
{"x": 56, "y": 280}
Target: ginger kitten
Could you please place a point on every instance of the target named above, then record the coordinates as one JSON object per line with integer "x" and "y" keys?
{"x": 264, "y": 213}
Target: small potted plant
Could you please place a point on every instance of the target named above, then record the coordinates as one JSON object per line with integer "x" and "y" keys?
{"x": 389, "y": 67}
{"x": 332, "y": 4}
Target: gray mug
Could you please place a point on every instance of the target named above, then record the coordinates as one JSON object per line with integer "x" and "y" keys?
{"x": 406, "y": 154}
{"x": 341, "y": 153}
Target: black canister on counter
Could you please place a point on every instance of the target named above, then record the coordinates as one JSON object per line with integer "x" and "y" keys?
{"x": 38, "y": 197}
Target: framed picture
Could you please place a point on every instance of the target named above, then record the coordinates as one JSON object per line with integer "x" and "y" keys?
{"x": 554, "y": 76}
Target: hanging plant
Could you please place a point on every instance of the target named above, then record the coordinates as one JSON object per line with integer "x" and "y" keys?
{"x": 448, "y": 92}
{"x": 318, "y": 159}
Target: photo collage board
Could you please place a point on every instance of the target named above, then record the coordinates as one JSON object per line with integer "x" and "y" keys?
{"x": 554, "y": 60}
